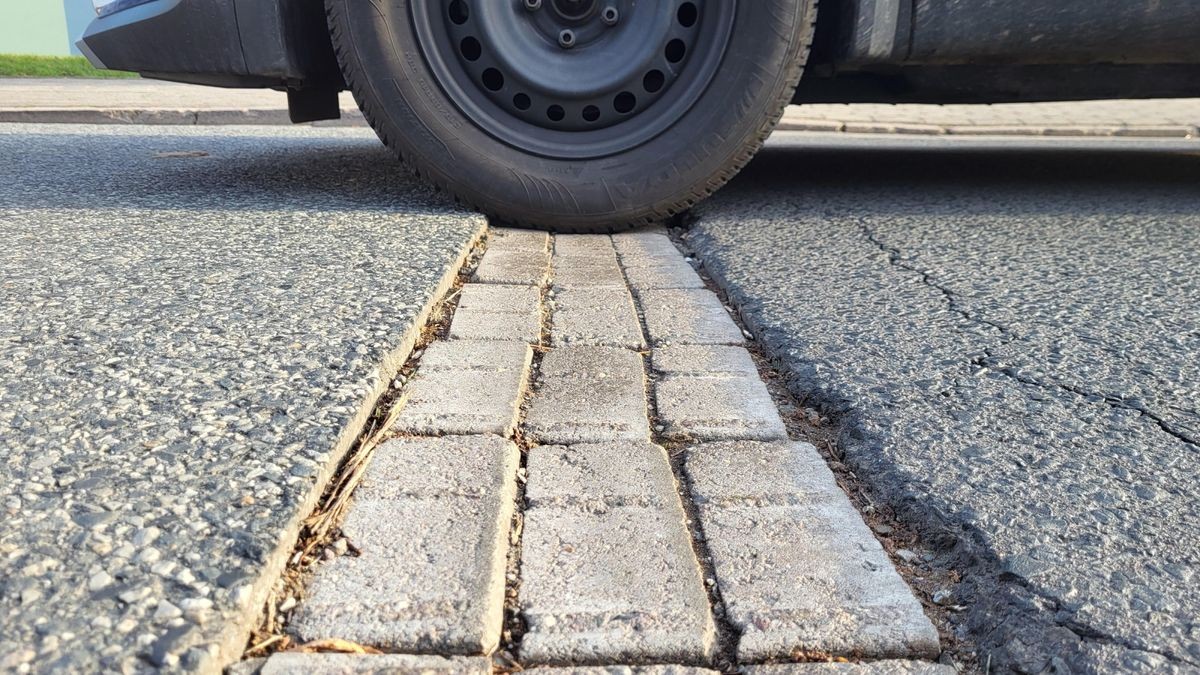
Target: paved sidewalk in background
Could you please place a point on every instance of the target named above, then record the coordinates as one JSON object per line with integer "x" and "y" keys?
{"x": 1149, "y": 118}
{"x": 612, "y": 571}
{"x": 154, "y": 102}
{"x": 85, "y": 101}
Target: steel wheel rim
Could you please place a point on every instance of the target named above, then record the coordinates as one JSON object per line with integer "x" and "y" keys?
{"x": 629, "y": 72}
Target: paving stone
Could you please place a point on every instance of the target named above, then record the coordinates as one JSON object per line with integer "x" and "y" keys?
{"x": 868, "y": 668}
{"x": 510, "y": 239}
{"x": 444, "y": 355}
{"x": 466, "y": 387}
{"x": 595, "y": 316}
{"x": 588, "y": 272}
{"x": 667, "y": 273}
{"x": 586, "y": 260}
{"x": 294, "y": 663}
{"x": 516, "y": 267}
{"x": 644, "y": 246}
{"x": 716, "y": 408}
{"x": 713, "y": 392}
{"x": 687, "y": 316}
{"x": 608, "y": 572}
{"x": 707, "y": 360}
{"x": 431, "y": 520}
{"x": 520, "y": 257}
{"x": 653, "y": 261}
{"x": 797, "y": 568}
{"x": 589, "y": 394}
{"x": 622, "y": 670}
{"x": 584, "y": 245}
{"x": 498, "y": 312}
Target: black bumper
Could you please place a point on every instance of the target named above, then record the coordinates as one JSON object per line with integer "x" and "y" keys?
{"x": 229, "y": 43}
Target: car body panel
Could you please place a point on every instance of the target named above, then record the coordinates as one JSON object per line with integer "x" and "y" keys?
{"x": 232, "y": 43}
{"x": 866, "y": 50}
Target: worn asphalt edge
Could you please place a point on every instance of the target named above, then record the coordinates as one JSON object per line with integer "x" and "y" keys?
{"x": 1003, "y": 607}
{"x": 232, "y": 639}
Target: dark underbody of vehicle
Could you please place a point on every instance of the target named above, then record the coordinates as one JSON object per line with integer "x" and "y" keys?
{"x": 598, "y": 114}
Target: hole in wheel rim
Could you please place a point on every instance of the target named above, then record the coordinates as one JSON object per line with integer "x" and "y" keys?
{"x": 624, "y": 102}
{"x": 493, "y": 79}
{"x": 470, "y": 49}
{"x": 653, "y": 81}
{"x": 687, "y": 15}
{"x": 459, "y": 12}
{"x": 675, "y": 51}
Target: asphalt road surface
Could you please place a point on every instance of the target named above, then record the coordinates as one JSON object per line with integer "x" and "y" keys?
{"x": 190, "y": 318}
{"x": 189, "y": 322}
{"x": 1010, "y": 337}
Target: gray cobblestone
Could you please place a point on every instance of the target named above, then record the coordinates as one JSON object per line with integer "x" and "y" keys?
{"x": 589, "y": 394}
{"x": 687, "y": 316}
{"x": 583, "y": 246}
{"x": 496, "y": 312}
{"x": 466, "y": 387}
{"x": 887, "y": 667}
{"x": 595, "y": 316}
{"x": 509, "y": 239}
{"x": 515, "y": 267}
{"x": 796, "y": 566}
{"x": 292, "y": 663}
{"x": 587, "y": 273}
{"x": 714, "y": 408}
{"x": 667, "y": 273}
{"x": 608, "y": 573}
{"x": 623, "y": 670}
{"x": 706, "y": 360}
{"x": 644, "y": 247}
{"x": 517, "y": 257}
{"x": 586, "y": 260}
{"x": 713, "y": 392}
{"x": 431, "y": 520}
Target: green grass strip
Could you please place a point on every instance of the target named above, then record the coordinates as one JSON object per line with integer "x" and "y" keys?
{"x": 21, "y": 65}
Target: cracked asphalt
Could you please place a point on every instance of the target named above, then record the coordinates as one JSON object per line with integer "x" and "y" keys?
{"x": 1009, "y": 335}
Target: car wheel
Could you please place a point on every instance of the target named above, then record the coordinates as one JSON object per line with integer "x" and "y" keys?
{"x": 574, "y": 115}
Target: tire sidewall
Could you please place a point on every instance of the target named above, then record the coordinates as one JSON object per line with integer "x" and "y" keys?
{"x": 403, "y": 100}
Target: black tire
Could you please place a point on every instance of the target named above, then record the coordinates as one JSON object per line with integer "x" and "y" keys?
{"x": 691, "y": 157}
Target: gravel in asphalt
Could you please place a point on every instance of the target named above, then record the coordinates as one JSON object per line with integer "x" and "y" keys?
{"x": 1010, "y": 338}
{"x": 191, "y": 322}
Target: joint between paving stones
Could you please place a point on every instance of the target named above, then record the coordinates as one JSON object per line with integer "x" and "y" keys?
{"x": 514, "y": 626}
{"x": 727, "y": 634}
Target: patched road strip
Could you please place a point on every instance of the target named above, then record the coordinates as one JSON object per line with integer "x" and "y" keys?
{"x": 585, "y": 400}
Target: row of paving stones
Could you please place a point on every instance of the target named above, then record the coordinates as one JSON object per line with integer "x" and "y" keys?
{"x": 609, "y": 568}
{"x": 387, "y": 664}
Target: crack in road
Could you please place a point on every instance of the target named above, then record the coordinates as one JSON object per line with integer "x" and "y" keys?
{"x": 895, "y": 258}
{"x": 1089, "y": 633}
{"x": 1086, "y": 632}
